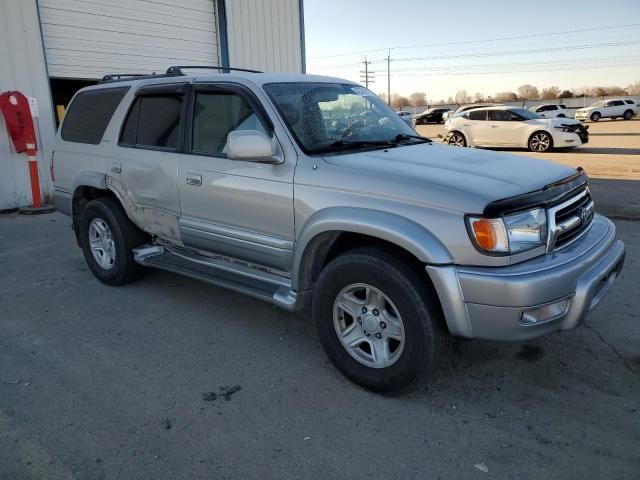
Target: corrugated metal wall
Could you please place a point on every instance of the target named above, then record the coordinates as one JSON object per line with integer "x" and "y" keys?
{"x": 265, "y": 35}
{"x": 23, "y": 69}
{"x": 88, "y": 38}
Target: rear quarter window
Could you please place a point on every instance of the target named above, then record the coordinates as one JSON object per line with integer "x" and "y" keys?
{"x": 630, "y": 102}
{"x": 89, "y": 114}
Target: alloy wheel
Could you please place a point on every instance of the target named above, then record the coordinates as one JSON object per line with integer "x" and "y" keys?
{"x": 540, "y": 142}
{"x": 102, "y": 244}
{"x": 368, "y": 325}
{"x": 457, "y": 140}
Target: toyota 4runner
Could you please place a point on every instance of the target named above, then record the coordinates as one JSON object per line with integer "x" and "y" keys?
{"x": 308, "y": 191}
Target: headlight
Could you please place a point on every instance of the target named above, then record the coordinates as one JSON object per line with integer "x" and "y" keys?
{"x": 564, "y": 129}
{"x": 510, "y": 234}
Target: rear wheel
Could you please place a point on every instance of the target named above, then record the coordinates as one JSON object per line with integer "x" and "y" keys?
{"x": 627, "y": 115}
{"x": 595, "y": 116}
{"x": 107, "y": 238}
{"x": 540, "y": 142}
{"x": 457, "y": 140}
{"x": 378, "y": 321}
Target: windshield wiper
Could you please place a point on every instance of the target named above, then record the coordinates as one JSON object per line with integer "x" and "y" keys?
{"x": 406, "y": 136}
{"x": 362, "y": 143}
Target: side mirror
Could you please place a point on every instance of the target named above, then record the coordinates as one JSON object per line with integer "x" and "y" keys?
{"x": 251, "y": 146}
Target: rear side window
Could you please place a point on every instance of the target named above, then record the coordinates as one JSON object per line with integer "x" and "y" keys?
{"x": 478, "y": 115}
{"x": 89, "y": 114}
{"x": 153, "y": 121}
{"x": 630, "y": 102}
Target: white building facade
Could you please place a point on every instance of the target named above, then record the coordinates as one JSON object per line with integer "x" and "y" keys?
{"x": 51, "y": 48}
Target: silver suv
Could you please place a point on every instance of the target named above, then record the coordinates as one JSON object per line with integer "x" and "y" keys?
{"x": 309, "y": 191}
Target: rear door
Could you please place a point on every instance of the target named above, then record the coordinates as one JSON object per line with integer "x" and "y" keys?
{"x": 146, "y": 164}
{"x": 475, "y": 126}
{"x": 237, "y": 208}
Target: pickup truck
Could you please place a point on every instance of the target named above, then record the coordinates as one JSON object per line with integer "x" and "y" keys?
{"x": 309, "y": 192}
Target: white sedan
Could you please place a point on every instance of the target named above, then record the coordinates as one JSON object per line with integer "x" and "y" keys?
{"x": 505, "y": 126}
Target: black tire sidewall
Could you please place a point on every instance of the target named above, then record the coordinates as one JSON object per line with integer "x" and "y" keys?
{"x": 421, "y": 350}
{"x": 629, "y": 116}
{"x": 121, "y": 269}
{"x": 595, "y": 117}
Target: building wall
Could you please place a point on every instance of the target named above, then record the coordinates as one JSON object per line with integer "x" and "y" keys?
{"x": 23, "y": 69}
{"x": 265, "y": 35}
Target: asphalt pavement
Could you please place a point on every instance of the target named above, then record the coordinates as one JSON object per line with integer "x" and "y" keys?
{"x": 100, "y": 382}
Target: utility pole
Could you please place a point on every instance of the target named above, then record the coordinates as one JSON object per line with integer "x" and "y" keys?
{"x": 365, "y": 75}
{"x": 389, "y": 78}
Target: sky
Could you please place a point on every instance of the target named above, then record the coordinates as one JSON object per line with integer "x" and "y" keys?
{"x": 445, "y": 46}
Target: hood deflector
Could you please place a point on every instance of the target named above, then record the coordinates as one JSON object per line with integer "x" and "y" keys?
{"x": 547, "y": 195}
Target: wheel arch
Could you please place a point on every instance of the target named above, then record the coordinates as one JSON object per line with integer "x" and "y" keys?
{"x": 86, "y": 187}
{"x": 334, "y": 230}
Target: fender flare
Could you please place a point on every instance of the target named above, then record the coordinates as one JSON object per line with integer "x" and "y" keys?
{"x": 393, "y": 228}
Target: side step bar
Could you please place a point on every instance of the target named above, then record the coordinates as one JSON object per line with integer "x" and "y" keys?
{"x": 223, "y": 273}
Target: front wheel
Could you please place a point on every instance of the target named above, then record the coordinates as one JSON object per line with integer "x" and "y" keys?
{"x": 457, "y": 140}
{"x": 595, "y": 116}
{"x": 540, "y": 142}
{"x": 378, "y": 321}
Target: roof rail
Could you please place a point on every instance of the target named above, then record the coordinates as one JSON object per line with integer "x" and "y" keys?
{"x": 123, "y": 77}
{"x": 177, "y": 69}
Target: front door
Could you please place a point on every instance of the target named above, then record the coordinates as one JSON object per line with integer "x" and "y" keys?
{"x": 236, "y": 208}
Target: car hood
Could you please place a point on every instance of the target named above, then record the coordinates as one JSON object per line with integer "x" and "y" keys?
{"x": 451, "y": 172}
{"x": 556, "y": 121}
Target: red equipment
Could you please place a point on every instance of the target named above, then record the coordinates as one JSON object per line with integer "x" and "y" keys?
{"x": 17, "y": 115}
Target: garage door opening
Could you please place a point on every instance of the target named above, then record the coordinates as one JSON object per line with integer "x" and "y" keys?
{"x": 62, "y": 90}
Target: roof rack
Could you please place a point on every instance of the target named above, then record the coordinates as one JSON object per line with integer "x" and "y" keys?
{"x": 122, "y": 77}
{"x": 177, "y": 69}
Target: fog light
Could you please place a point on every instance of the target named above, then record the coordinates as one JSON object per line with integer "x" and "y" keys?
{"x": 545, "y": 313}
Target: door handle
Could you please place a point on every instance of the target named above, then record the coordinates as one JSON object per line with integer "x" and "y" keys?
{"x": 195, "y": 180}
{"x": 116, "y": 168}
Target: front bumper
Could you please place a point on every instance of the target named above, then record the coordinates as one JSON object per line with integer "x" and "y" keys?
{"x": 489, "y": 302}
{"x": 569, "y": 139}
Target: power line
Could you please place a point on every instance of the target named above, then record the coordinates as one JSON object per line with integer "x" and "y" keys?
{"x": 515, "y": 52}
{"x": 467, "y": 42}
{"x": 495, "y": 54}
{"x": 496, "y": 72}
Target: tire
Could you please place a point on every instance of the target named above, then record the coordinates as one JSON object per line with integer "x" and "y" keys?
{"x": 104, "y": 221}
{"x": 595, "y": 116}
{"x": 457, "y": 139}
{"x": 628, "y": 115}
{"x": 424, "y": 342}
{"x": 540, "y": 142}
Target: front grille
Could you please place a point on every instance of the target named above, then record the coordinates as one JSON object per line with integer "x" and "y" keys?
{"x": 570, "y": 219}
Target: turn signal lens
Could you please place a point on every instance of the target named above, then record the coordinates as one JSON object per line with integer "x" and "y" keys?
{"x": 489, "y": 234}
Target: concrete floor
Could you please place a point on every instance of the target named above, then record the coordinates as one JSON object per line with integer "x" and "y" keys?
{"x": 99, "y": 382}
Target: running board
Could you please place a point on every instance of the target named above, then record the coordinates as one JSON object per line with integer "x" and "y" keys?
{"x": 223, "y": 273}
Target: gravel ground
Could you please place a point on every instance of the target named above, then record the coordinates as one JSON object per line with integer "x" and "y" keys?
{"x": 99, "y": 382}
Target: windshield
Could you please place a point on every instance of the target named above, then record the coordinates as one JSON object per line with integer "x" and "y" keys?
{"x": 526, "y": 114}
{"x": 321, "y": 114}
{"x": 598, "y": 104}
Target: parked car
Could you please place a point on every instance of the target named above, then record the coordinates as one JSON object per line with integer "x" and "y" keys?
{"x": 395, "y": 242}
{"x": 464, "y": 108}
{"x": 432, "y": 115}
{"x": 550, "y": 110}
{"x": 612, "y": 109}
{"x": 514, "y": 127}
{"x": 406, "y": 116}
